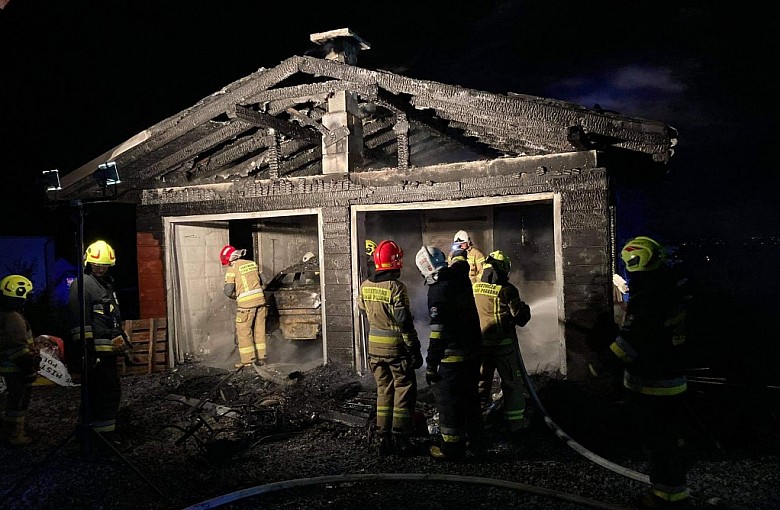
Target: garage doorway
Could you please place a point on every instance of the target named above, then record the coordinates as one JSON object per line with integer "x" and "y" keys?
{"x": 526, "y": 228}
{"x": 203, "y": 318}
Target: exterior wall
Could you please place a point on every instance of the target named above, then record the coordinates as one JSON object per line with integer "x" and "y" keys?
{"x": 584, "y": 225}
{"x": 587, "y": 273}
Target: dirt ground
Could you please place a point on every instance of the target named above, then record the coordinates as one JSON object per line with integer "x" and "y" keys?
{"x": 312, "y": 431}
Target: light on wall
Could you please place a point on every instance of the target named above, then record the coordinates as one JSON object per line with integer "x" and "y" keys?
{"x": 51, "y": 179}
{"x": 106, "y": 175}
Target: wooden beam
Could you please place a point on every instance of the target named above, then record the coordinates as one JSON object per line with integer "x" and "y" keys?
{"x": 264, "y": 120}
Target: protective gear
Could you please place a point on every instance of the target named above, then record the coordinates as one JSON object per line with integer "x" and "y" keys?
{"x": 16, "y": 286}
{"x": 100, "y": 252}
{"x": 391, "y": 338}
{"x": 417, "y": 359}
{"x": 643, "y": 254}
{"x": 17, "y": 435}
{"x": 429, "y": 261}
{"x": 499, "y": 261}
{"x": 385, "y": 445}
{"x": 403, "y": 446}
{"x": 388, "y": 256}
{"x": 244, "y": 284}
{"x": 307, "y": 257}
{"x": 225, "y": 254}
{"x": 462, "y": 237}
{"x": 370, "y": 247}
{"x": 102, "y": 323}
{"x": 431, "y": 376}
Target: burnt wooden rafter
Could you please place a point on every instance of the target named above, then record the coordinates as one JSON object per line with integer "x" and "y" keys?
{"x": 283, "y": 127}
{"x": 253, "y": 124}
{"x": 645, "y": 135}
{"x": 254, "y": 165}
{"x": 199, "y": 144}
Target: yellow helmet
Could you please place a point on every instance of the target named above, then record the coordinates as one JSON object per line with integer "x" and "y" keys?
{"x": 100, "y": 252}
{"x": 16, "y": 286}
{"x": 643, "y": 254}
{"x": 370, "y": 247}
{"x": 499, "y": 261}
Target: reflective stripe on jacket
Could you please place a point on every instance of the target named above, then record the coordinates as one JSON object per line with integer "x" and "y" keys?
{"x": 103, "y": 321}
{"x": 245, "y": 275}
{"x": 386, "y": 304}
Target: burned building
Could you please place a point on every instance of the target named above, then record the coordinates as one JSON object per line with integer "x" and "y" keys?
{"x": 318, "y": 154}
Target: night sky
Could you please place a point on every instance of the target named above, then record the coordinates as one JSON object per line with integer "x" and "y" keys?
{"x": 80, "y": 77}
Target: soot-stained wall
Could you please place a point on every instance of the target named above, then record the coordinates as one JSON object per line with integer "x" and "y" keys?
{"x": 579, "y": 221}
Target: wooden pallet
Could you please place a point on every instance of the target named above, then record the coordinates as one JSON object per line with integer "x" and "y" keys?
{"x": 150, "y": 345}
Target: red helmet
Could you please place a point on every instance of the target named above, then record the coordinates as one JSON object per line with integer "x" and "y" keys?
{"x": 388, "y": 255}
{"x": 225, "y": 253}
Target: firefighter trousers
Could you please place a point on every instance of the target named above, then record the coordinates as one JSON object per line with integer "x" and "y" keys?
{"x": 505, "y": 360}
{"x": 663, "y": 427}
{"x": 18, "y": 400}
{"x": 460, "y": 419}
{"x": 250, "y": 331}
{"x": 104, "y": 393}
{"x": 396, "y": 394}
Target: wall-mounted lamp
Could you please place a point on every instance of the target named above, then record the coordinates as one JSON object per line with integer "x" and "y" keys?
{"x": 106, "y": 175}
{"x": 51, "y": 179}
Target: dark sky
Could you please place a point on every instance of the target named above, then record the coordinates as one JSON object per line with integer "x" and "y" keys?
{"x": 79, "y": 77}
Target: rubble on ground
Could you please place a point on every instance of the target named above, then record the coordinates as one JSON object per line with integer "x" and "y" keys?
{"x": 193, "y": 443}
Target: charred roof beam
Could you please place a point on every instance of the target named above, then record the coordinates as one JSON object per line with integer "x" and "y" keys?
{"x": 267, "y": 121}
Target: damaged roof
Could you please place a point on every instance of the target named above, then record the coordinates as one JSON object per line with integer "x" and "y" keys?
{"x": 268, "y": 125}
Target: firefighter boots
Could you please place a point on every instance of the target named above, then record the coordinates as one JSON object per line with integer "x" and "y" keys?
{"x": 447, "y": 454}
{"x": 403, "y": 446}
{"x": 385, "y": 445}
{"x": 17, "y": 435}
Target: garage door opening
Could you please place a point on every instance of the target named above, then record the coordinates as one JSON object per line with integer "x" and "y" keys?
{"x": 204, "y": 318}
{"x": 524, "y": 230}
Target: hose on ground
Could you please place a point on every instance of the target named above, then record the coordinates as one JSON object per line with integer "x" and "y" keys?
{"x": 574, "y": 445}
{"x": 303, "y": 482}
{"x": 593, "y": 457}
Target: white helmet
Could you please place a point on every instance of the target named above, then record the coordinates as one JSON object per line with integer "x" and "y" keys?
{"x": 307, "y": 257}
{"x": 461, "y": 237}
{"x": 429, "y": 261}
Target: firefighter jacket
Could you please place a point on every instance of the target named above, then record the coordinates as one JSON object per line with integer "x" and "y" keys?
{"x": 455, "y": 331}
{"x": 650, "y": 339}
{"x": 102, "y": 319}
{"x": 243, "y": 283}
{"x": 385, "y": 301}
{"x": 476, "y": 260}
{"x": 16, "y": 344}
{"x": 500, "y": 309}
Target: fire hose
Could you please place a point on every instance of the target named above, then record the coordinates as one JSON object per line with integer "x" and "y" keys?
{"x": 362, "y": 477}
{"x": 593, "y": 457}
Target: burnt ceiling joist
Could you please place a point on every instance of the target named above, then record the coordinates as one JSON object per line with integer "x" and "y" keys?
{"x": 270, "y": 123}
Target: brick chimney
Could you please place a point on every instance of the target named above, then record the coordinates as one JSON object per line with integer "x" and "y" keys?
{"x": 343, "y": 151}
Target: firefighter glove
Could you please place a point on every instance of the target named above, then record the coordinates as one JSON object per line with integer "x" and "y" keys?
{"x": 417, "y": 359}
{"x": 432, "y": 376}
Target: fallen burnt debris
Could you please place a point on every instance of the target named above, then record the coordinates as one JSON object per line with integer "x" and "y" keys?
{"x": 251, "y": 432}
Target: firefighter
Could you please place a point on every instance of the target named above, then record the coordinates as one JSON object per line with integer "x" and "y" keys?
{"x": 500, "y": 310}
{"x": 452, "y": 363}
{"x": 649, "y": 344}
{"x": 103, "y": 341}
{"x": 476, "y": 259}
{"x": 18, "y": 358}
{"x": 244, "y": 284}
{"x": 393, "y": 349}
{"x": 370, "y": 248}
